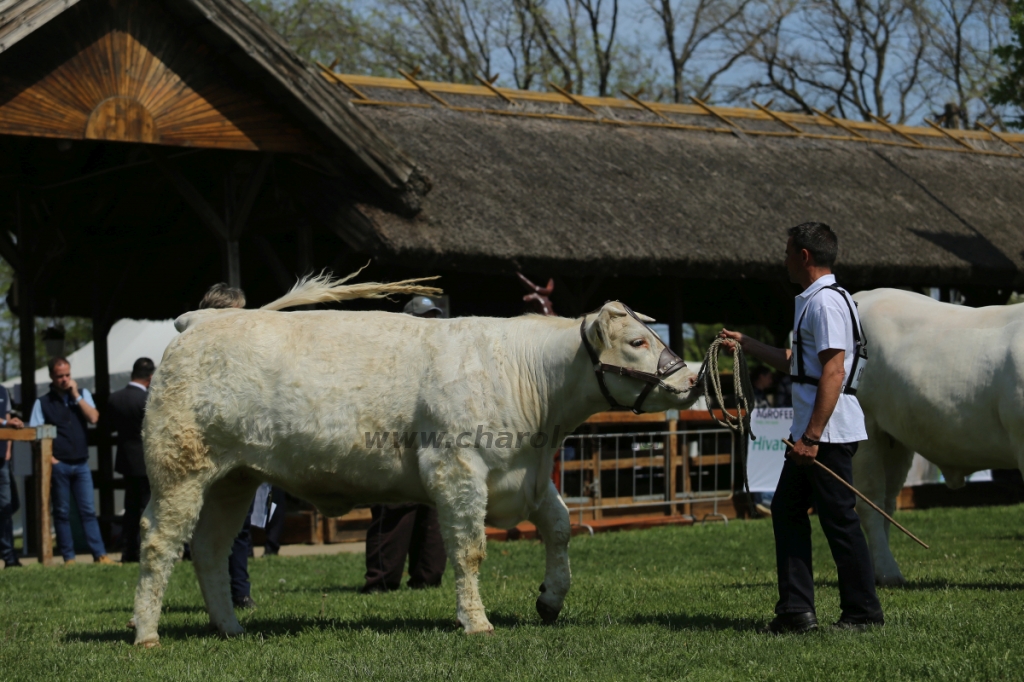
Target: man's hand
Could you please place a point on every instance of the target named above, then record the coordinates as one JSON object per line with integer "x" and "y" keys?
{"x": 802, "y": 454}
{"x": 731, "y": 339}
{"x": 54, "y": 460}
{"x": 15, "y": 423}
{"x": 73, "y": 387}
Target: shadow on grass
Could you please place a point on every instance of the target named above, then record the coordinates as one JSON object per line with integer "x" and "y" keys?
{"x": 279, "y": 627}
{"x": 128, "y": 609}
{"x": 925, "y": 585}
{"x": 697, "y": 621}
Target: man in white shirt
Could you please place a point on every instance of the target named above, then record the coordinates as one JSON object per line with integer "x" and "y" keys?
{"x": 828, "y": 423}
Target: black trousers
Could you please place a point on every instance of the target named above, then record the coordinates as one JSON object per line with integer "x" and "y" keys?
{"x": 136, "y": 497}
{"x": 275, "y": 524}
{"x": 799, "y": 488}
{"x": 238, "y": 560}
{"x": 397, "y": 531}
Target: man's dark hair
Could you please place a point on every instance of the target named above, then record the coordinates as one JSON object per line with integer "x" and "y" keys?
{"x": 59, "y": 360}
{"x": 819, "y": 240}
{"x": 143, "y": 368}
{"x": 221, "y": 295}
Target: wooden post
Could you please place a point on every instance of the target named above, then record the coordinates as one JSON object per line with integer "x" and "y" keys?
{"x": 104, "y": 446}
{"x": 675, "y": 320}
{"x": 671, "y": 462}
{"x": 232, "y": 264}
{"x": 42, "y": 469}
{"x": 41, "y": 439}
{"x": 26, "y": 315}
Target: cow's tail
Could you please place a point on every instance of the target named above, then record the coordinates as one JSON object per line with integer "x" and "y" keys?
{"x": 323, "y": 288}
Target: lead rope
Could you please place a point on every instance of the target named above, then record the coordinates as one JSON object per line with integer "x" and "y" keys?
{"x": 740, "y": 423}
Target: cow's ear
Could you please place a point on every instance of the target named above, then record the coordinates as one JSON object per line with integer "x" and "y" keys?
{"x": 599, "y": 328}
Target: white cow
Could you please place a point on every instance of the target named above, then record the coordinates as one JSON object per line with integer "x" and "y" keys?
{"x": 942, "y": 380}
{"x": 298, "y": 399}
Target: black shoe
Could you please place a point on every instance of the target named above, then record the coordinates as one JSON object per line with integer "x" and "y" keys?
{"x": 245, "y": 602}
{"x": 13, "y": 564}
{"x": 791, "y": 623}
{"x": 129, "y": 558}
{"x": 858, "y": 624}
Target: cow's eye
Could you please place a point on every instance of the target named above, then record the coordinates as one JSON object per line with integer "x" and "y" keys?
{"x": 638, "y": 343}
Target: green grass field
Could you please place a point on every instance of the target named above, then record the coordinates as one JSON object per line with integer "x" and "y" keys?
{"x": 663, "y": 604}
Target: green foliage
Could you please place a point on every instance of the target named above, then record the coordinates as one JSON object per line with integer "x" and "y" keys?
{"x": 1010, "y": 88}
{"x": 78, "y": 331}
{"x": 662, "y": 604}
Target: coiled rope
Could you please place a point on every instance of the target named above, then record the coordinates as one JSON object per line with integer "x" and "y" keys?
{"x": 740, "y": 423}
{"x": 712, "y": 378}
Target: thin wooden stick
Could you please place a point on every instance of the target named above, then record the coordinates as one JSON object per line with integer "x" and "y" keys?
{"x": 861, "y": 496}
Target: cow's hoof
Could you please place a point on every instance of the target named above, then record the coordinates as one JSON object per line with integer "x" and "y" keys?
{"x": 548, "y": 614}
{"x": 131, "y": 623}
{"x": 149, "y": 643}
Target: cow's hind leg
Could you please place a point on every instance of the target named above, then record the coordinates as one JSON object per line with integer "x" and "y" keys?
{"x": 457, "y": 482}
{"x": 165, "y": 525}
{"x": 226, "y": 504}
{"x": 552, "y": 520}
{"x": 879, "y": 470}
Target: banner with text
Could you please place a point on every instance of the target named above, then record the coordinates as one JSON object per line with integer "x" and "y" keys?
{"x": 765, "y": 455}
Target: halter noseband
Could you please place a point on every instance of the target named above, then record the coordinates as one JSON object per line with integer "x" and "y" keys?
{"x": 668, "y": 364}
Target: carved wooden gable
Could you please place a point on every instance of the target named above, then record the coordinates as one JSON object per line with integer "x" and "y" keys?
{"x": 126, "y": 70}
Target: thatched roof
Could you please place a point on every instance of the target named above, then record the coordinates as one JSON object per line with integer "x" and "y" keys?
{"x": 589, "y": 186}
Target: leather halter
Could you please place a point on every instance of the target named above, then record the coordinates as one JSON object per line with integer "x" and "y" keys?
{"x": 668, "y": 364}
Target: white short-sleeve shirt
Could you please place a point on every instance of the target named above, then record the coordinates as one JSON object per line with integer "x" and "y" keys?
{"x": 827, "y": 324}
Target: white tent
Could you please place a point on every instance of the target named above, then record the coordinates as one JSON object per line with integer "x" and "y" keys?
{"x": 127, "y": 341}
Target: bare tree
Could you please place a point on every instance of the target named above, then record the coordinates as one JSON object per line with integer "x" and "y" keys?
{"x": 962, "y": 64}
{"x": 861, "y": 57}
{"x": 704, "y": 39}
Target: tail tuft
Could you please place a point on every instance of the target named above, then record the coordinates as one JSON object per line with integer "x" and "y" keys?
{"x": 323, "y": 288}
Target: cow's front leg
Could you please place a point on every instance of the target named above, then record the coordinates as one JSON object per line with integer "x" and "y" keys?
{"x": 552, "y": 520}
{"x": 457, "y": 482}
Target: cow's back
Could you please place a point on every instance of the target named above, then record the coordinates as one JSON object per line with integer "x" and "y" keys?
{"x": 943, "y": 379}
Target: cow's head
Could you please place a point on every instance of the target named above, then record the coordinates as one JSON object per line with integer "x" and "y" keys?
{"x": 633, "y": 367}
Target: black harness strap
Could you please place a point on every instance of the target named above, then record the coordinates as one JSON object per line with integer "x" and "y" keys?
{"x": 859, "y": 340}
{"x": 668, "y": 363}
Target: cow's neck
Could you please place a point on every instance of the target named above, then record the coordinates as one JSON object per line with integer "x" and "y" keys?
{"x": 559, "y": 382}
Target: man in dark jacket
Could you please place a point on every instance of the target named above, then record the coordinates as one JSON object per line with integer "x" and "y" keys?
{"x": 70, "y": 410}
{"x": 125, "y": 411}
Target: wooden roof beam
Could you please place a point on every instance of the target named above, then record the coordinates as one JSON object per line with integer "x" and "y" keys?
{"x": 777, "y": 117}
{"x": 950, "y": 135}
{"x": 999, "y": 136}
{"x": 489, "y": 84}
{"x": 643, "y": 105}
{"x": 337, "y": 78}
{"x": 720, "y": 116}
{"x": 190, "y": 194}
{"x": 424, "y": 89}
{"x": 897, "y": 131}
{"x": 573, "y": 98}
{"x": 839, "y": 124}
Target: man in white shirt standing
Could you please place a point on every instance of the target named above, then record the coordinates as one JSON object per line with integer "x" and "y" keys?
{"x": 828, "y": 424}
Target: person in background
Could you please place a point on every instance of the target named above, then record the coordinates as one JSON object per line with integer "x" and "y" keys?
{"x": 220, "y": 295}
{"x": 761, "y": 381}
{"x": 275, "y": 522}
{"x": 70, "y": 410}
{"x": 8, "y": 492}
{"x": 398, "y": 531}
{"x": 125, "y": 411}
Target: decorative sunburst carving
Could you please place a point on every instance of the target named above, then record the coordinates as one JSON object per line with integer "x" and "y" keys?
{"x": 127, "y": 71}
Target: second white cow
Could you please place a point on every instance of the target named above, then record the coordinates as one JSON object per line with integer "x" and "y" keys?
{"x": 943, "y": 380}
{"x": 346, "y": 408}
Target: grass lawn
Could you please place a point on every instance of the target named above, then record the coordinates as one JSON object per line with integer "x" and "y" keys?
{"x": 663, "y": 604}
